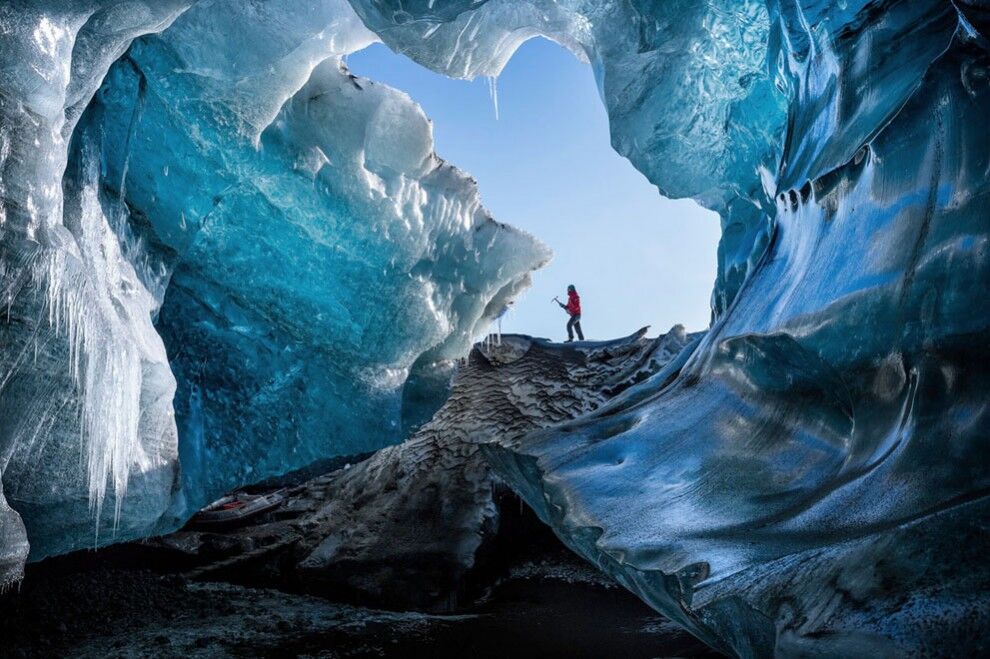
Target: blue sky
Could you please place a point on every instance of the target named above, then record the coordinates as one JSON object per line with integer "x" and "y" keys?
{"x": 546, "y": 166}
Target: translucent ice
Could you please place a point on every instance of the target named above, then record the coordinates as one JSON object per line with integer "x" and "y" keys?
{"x": 326, "y": 248}
{"x": 287, "y": 225}
{"x": 85, "y": 389}
{"x": 813, "y": 478}
{"x": 13, "y": 545}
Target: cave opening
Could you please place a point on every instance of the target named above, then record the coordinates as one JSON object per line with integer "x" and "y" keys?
{"x": 224, "y": 256}
{"x": 541, "y": 152}
{"x": 214, "y": 196}
{"x": 340, "y": 179}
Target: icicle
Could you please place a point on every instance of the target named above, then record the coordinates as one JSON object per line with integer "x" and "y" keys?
{"x": 493, "y": 93}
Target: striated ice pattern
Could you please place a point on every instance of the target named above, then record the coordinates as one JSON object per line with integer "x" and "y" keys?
{"x": 219, "y": 249}
{"x": 811, "y": 479}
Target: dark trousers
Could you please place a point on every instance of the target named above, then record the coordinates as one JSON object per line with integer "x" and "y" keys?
{"x": 575, "y": 324}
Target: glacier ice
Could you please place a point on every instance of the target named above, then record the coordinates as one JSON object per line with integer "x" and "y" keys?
{"x": 13, "y": 545}
{"x": 286, "y": 225}
{"x": 808, "y": 479}
{"x": 85, "y": 389}
{"x": 383, "y": 251}
{"x": 812, "y": 480}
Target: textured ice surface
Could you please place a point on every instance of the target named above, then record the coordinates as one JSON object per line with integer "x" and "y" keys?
{"x": 85, "y": 389}
{"x": 321, "y": 247}
{"x": 813, "y": 481}
{"x": 286, "y": 225}
{"x": 810, "y": 480}
{"x": 13, "y": 545}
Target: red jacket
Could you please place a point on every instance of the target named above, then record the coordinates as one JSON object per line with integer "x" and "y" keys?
{"x": 573, "y": 303}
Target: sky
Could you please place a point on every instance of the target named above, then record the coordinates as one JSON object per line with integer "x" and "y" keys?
{"x": 546, "y": 165}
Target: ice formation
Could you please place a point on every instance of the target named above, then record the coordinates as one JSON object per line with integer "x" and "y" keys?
{"x": 812, "y": 481}
{"x": 285, "y": 224}
{"x": 808, "y": 479}
{"x": 85, "y": 388}
{"x": 322, "y": 248}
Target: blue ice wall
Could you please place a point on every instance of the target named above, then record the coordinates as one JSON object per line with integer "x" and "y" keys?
{"x": 315, "y": 258}
{"x": 222, "y": 256}
{"x": 813, "y": 480}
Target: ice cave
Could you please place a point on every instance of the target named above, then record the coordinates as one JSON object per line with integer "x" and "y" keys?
{"x": 231, "y": 267}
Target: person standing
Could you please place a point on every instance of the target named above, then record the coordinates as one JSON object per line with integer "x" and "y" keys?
{"x": 573, "y": 309}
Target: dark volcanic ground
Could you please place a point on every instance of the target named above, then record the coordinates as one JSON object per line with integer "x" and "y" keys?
{"x": 107, "y": 604}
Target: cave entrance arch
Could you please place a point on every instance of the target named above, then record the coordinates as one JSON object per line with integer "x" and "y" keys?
{"x": 537, "y": 140}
